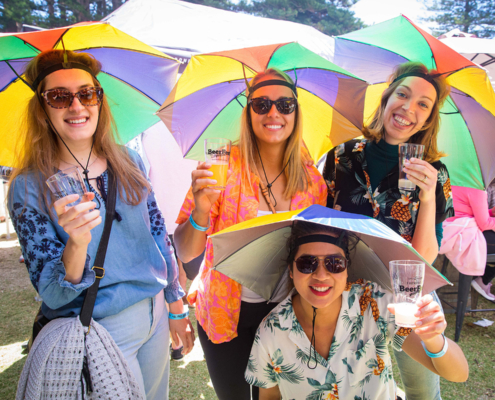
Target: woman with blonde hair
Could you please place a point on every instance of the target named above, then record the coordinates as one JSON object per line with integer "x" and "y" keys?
{"x": 269, "y": 174}
{"x": 363, "y": 176}
{"x": 69, "y": 124}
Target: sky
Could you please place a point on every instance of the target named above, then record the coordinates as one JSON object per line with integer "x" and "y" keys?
{"x": 376, "y": 11}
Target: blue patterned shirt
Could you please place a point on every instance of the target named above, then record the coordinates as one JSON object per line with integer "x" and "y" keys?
{"x": 139, "y": 263}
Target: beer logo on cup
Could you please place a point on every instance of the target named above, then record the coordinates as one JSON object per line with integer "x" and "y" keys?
{"x": 411, "y": 290}
{"x": 217, "y": 153}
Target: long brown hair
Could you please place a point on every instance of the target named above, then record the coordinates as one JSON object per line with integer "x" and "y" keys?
{"x": 298, "y": 178}
{"x": 428, "y": 134}
{"x": 38, "y": 149}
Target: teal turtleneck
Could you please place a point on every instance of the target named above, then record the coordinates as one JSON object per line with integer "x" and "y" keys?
{"x": 381, "y": 157}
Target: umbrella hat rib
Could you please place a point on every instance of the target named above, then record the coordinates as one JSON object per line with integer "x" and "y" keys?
{"x": 255, "y": 253}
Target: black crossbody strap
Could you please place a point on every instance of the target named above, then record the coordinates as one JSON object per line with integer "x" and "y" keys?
{"x": 90, "y": 299}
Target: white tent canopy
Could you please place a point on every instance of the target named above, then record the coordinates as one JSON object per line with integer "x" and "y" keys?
{"x": 479, "y": 51}
{"x": 175, "y": 26}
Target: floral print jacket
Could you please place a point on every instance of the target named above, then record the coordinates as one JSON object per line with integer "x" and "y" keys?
{"x": 349, "y": 190}
{"x": 358, "y": 366}
{"x": 217, "y": 297}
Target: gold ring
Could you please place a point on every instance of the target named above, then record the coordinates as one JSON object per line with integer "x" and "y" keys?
{"x": 424, "y": 179}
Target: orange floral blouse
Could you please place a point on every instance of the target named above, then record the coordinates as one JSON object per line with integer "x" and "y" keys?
{"x": 217, "y": 297}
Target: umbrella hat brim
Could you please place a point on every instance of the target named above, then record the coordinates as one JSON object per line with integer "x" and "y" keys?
{"x": 254, "y": 253}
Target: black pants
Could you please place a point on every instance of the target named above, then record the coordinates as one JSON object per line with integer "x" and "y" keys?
{"x": 227, "y": 362}
{"x": 490, "y": 268}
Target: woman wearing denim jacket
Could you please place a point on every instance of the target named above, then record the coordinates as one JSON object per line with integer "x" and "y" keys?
{"x": 69, "y": 124}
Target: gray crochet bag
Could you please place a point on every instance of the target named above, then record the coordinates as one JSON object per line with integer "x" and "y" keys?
{"x": 54, "y": 364}
{"x": 76, "y": 358}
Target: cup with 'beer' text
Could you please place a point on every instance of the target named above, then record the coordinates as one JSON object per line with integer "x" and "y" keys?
{"x": 407, "y": 282}
{"x": 217, "y": 153}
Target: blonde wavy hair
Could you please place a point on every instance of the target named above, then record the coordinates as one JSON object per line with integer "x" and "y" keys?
{"x": 39, "y": 144}
{"x": 298, "y": 179}
{"x": 428, "y": 134}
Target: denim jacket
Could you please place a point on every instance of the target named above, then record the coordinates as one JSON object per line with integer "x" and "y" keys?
{"x": 139, "y": 263}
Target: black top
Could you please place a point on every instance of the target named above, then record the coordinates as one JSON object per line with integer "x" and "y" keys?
{"x": 347, "y": 175}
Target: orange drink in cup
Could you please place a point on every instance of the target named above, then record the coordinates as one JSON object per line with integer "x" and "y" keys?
{"x": 217, "y": 153}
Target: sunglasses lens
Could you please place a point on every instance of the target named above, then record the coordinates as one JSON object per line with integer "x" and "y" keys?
{"x": 307, "y": 264}
{"x": 261, "y": 106}
{"x": 58, "y": 98}
{"x": 335, "y": 264}
{"x": 286, "y": 106}
{"x": 89, "y": 97}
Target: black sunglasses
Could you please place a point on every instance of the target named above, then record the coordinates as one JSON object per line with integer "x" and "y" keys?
{"x": 63, "y": 98}
{"x": 334, "y": 263}
{"x": 262, "y": 106}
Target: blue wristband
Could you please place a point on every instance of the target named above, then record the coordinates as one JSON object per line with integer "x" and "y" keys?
{"x": 441, "y": 352}
{"x": 196, "y": 226}
{"x": 178, "y": 316}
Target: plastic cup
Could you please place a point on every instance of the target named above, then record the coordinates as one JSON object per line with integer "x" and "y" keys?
{"x": 66, "y": 182}
{"x": 217, "y": 153}
{"x": 407, "y": 283}
{"x": 406, "y": 152}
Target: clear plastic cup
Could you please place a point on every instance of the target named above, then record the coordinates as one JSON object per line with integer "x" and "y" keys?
{"x": 66, "y": 182}
{"x": 407, "y": 283}
{"x": 217, "y": 153}
{"x": 406, "y": 152}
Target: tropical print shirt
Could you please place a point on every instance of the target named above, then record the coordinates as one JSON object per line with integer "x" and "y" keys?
{"x": 349, "y": 189}
{"x": 358, "y": 366}
{"x": 217, "y": 297}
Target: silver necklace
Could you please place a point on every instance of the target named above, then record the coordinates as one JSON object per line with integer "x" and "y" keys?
{"x": 75, "y": 165}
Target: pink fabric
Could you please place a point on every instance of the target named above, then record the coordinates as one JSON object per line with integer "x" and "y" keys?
{"x": 464, "y": 245}
{"x": 471, "y": 203}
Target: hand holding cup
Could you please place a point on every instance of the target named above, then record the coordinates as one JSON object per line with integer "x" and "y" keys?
{"x": 77, "y": 221}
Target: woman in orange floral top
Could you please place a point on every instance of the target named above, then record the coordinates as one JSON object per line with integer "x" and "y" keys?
{"x": 268, "y": 157}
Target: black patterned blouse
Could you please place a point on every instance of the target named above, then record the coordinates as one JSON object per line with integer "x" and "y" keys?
{"x": 346, "y": 173}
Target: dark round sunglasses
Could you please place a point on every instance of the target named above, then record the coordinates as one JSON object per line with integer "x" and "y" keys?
{"x": 334, "y": 263}
{"x": 262, "y": 106}
{"x": 63, "y": 98}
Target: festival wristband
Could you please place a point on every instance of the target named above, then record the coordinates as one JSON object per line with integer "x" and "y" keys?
{"x": 196, "y": 226}
{"x": 441, "y": 352}
{"x": 178, "y": 316}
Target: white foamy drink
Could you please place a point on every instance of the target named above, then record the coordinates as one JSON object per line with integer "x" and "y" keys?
{"x": 406, "y": 184}
{"x": 404, "y": 314}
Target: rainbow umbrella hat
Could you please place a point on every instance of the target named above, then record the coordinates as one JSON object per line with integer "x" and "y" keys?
{"x": 253, "y": 252}
{"x": 136, "y": 78}
{"x": 208, "y": 99}
{"x": 467, "y": 132}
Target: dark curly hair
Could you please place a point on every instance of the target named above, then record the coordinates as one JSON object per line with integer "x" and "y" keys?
{"x": 304, "y": 228}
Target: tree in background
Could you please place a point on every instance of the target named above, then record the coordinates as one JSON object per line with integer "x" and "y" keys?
{"x": 14, "y": 13}
{"x": 332, "y": 17}
{"x": 52, "y": 13}
{"x": 471, "y": 16}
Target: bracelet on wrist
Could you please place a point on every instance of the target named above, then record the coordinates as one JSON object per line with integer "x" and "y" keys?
{"x": 196, "y": 226}
{"x": 178, "y": 316}
{"x": 441, "y": 352}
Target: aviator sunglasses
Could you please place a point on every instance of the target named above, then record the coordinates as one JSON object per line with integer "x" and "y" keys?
{"x": 262, "y": 106}
{"x": 63, "y": 98}
{"x": 334, "y": 263}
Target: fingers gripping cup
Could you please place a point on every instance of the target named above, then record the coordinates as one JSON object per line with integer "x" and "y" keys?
{"x": 217, "y": 153}
{"x": 66, "y": 182}
{"x": 407, "y": 282}
{"x": 406, "y": 152}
